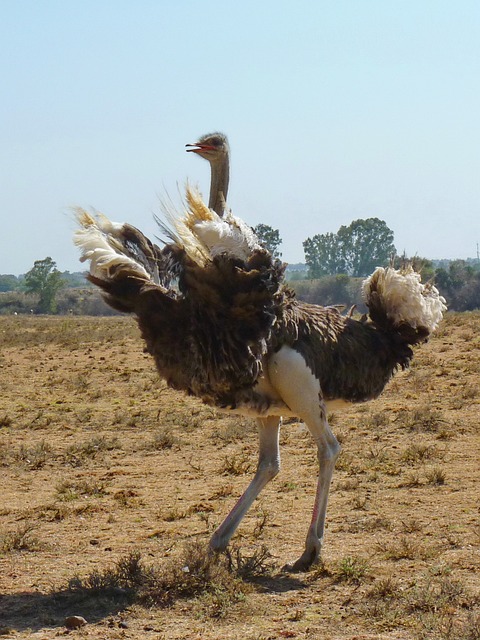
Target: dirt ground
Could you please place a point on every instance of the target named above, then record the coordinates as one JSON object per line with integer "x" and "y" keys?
{"x": 112, "y": 484}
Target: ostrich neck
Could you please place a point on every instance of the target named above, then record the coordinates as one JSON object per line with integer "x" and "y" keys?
{"x": 219, "y": 186}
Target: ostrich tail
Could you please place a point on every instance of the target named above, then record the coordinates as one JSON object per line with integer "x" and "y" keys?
{"x": 121, "y": 258}
{"x": 399, "y": 302}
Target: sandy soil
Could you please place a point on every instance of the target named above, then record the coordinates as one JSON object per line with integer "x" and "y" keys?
{"x": 101, "y": 463}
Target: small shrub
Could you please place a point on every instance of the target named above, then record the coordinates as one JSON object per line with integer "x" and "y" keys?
{"x": 127, "y": 574}
{"x": 432, "y": 595}
{"x": 19, "y": 540}
{"x": 418, "y": 452}
{"x": 404, "y": 548}
{"x": 72, "y": 490}
{"x": 411, "y": 525}
{"x": 469, "y": 391}
{"x": 5, "y": 420}
{"x": 225, "y": 491}
{"x": 352, "y": 569}
{"x": 412, "y": 479}
{"x": 163, "y": 438}
{"x": 359, "y": 503}
{"x": 436, "y": 476}
{"x": 377, "y": 454}
{"x": 288, "y": 486}
{"x": 233, "y": 429}
{"x": 252, "y": 566}
{"x": 174, "y": 514}
{"x": 76, "y": 453}
{"x": 350, "y": 484}
{"x": 424, "y": 418}
{"x": 126, "y": 497}
{"x": 262, "y": 519}
{"x": 34, "y": 457}
{"x": 197, "y": 573}
{"x": 384, "y": 588}
{"x": 236, "y": 465}
{"x": 4, "y": 455}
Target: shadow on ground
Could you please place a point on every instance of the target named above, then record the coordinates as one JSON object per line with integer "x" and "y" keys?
{"x": 34, "y": 611}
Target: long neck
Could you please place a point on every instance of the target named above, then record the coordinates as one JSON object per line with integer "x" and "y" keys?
{"x": 219, "y": 185}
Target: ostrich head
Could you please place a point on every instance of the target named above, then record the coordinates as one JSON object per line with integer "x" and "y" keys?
{"x": 214, "y": 148}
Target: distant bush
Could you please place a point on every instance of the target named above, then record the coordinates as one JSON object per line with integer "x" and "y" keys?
{"x": 17, "y": 302}
{"x": 74, "y": 280}
{"x": 329, "y": 290}
{"x": 78, "y": 302}
{"x": 83, "y": 302}
{"x": 9, "y": 282}
{"x": 460, "y": 285}
{"x": 458, "y": 281}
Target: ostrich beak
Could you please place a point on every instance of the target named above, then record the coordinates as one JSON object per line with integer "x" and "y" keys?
{"x": 200, "y": 147}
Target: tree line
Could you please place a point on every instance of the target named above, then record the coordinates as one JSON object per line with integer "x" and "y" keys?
{"x": 45, "y": 289}
{"x": 335, "y": 260}
{"x": 335, "y": 263}
{"x": 354, "y": 250}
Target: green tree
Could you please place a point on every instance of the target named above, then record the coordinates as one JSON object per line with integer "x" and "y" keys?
{"x": 45, "y": 280}
{"x": 365, "y": 245}
{"x": 460, "y": 285}
{"x": 269, "y": 238}
{"x": 355, "y": 250}
{"x": 323, "y": 255}
{"x": 8, "y": 282}
{"x": 423, "y": 266}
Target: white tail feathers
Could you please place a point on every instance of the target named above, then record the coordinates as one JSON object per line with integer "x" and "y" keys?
{"x": 405, "y": 299}
{"x": 99, "y": 241}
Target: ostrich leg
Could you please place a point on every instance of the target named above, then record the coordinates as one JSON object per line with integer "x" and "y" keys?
{"x": 328, "y": 450}
{"x": 267, "y": 469}
{"x": 300, "y": 390}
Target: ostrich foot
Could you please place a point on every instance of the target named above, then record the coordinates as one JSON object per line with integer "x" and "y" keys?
{"x": 308, "y": 558}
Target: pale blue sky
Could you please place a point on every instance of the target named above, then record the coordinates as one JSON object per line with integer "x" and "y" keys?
{"x": 335, "y": 110}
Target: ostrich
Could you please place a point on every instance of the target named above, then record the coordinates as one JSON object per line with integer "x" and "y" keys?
{"x": 214, "y": 148}
{"x": 235, "y": 336}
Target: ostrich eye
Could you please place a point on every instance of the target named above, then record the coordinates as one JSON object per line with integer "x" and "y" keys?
{"x": 216, "y": 141}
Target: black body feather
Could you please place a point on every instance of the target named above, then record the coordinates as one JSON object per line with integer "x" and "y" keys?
{"x": 211, "y": 336}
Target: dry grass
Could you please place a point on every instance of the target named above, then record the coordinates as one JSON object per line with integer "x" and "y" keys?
{"x": 112, "y": 485}
{"x": 194, "y": 574}
{"x": 22, "y": 538}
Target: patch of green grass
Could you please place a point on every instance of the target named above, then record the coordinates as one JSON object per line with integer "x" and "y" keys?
{"x": 352, "y": 569}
